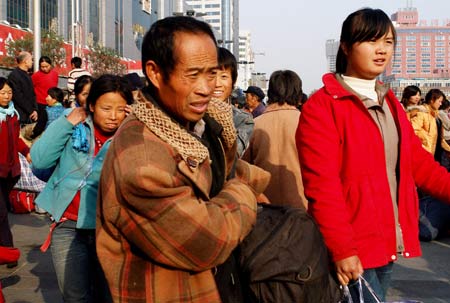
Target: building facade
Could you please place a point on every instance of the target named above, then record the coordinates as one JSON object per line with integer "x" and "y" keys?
{"x": 111, "y": 23}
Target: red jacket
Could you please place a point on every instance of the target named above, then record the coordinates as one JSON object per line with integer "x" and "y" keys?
{"x": 343, "y": 167}
{"x": 42, "y": 82}
{"x": 10, "y": 145}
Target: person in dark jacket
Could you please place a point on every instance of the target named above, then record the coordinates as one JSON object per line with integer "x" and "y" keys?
{"x": 23, "y": 90}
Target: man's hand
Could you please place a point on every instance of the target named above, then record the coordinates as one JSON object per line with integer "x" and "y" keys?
{"x": 76, "y": 116}
{"x": 34, "y": 116}
{"x": 348, "y": 269}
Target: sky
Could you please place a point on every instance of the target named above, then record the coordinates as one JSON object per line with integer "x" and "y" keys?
{"x": 292, "y": 33}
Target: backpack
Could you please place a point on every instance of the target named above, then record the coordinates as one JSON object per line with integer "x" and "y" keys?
{"x": 284, "y": 259}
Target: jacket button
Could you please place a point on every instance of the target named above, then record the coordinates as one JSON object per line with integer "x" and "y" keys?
{"x": 406, "y": 254}
{"x": 393, "y": 257}
{"x": 335, "y": 96}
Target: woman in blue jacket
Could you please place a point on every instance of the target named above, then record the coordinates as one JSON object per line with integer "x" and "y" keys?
{"x": 75, "y": 144}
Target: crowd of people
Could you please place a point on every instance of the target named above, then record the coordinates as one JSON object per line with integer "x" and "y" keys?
{"x": 151, "y": 188}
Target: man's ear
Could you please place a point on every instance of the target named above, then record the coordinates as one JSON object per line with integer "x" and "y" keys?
{"x": 153, "y": 73}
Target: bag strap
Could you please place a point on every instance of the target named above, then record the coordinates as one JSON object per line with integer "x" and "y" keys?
{"x": 348, "y": 296}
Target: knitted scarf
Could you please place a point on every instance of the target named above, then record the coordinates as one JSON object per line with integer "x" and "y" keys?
{"x": 10, "y": 111}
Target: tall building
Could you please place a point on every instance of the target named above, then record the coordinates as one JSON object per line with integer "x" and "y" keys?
{"x": 112, "y": 23}
{"x": 421, "y": 57}
{"x": 422, "y": 54}
{"x": 245, "y": 60}
{"x": 223, "y": 16}
{"x": 331, "y": 49}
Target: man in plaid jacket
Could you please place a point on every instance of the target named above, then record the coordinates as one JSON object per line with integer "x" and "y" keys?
{"x": 169, "y": 208}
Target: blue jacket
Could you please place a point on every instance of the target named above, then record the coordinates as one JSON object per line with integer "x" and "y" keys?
{"x": 75, "y": 170}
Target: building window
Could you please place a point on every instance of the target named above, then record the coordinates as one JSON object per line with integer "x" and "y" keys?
{"x": 425, "y": 49}
{"x": 411, "y": 49}
{"x": 425, "y": 38}
{"x": 212, "y": 5}
{"x": 440, "y": 65}
{"x": 410, "y": 38}
{"x": 426, "y": 55}
{"x": 410, "y": 54}
{"x": 425, "y": 60}
{"x": 410, "y": 65}
{"x": 17, "y": 12}
{"x": 425, "y": 44}
{"x": 410, "y": 43}
{"x": 425, "y": 66}
{"x": 440, "y": 38}
{"x": 439, "y": 49}
{"x": 440, "y": 43}
{"x": 411, "y": 71}
{"x": 440, "y": 54}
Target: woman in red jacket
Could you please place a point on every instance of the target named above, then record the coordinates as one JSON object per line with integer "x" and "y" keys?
{"x": 361, "y": 160}
{"x": 11, "y": 145}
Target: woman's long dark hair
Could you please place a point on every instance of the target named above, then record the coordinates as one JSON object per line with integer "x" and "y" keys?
{"x": 363, "y": 25}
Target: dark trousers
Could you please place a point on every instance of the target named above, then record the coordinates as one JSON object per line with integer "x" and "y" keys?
{"x": 41, "y": 122}
{"x": 6, "y": 185}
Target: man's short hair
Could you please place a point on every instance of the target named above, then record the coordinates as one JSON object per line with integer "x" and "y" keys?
{"x": 158, "y": 43}
{"x": 76, "y": 61}
{"x": 228, "y": 61}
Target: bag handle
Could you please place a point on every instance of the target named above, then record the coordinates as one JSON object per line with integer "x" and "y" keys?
{"x": 361, "y": 296}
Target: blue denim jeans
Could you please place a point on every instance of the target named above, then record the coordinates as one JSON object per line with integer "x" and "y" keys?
{"x": 379, "y": 280}
{"x": 434, "y": 218}
{"x": 80, "y": 277}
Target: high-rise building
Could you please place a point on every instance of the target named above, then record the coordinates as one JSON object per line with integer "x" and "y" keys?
{"x": 331, "y": 49}
{"x": 223, "y": 16}
{"x": 245, "y": 60}
{"x": 112, "y": 23}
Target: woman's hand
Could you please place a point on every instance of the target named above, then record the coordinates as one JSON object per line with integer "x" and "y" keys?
{"x": 28, "y": 157}
{"x": 76, "y": 116}
{"x": 128, "y": 109}
{"x": 348, "y": 269}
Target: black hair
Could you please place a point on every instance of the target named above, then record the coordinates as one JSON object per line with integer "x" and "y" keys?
{"x": 408, "y": 92}
{"x": 4, "y": 81}
{"x": 227, "y": 60}
{"x": 108, "y": 83}
{"x": 56, "y": 93}
{"x": 445, "y": 104}
{"x": 80, "y": 83}
{"x": 45, "y": 59}
{"x": 158, "y": 43}
{"x": 360, "y": 26}
{"x": 433, "y": 94}
{"x": 285, "y": 86}
{"x": 76, "y": 61}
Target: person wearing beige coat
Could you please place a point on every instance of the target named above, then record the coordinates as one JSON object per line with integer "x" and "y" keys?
{"x": 272, "y": 145}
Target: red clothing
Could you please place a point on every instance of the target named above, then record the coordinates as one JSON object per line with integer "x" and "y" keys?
{"x": 343, "y": 166}
{"x": 10, "y": 145}
{"x": 42, "y": 82}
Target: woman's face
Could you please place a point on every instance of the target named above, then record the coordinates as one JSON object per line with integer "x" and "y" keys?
{"x": 45, "y": 67}
{"x": 5, "y": 95}
{"x": 368, "y": 59}
{"x": 224, "y": 84}
{"x": 81, "y": 97}
{"x": 414, "y": 100}
{"x": 108, "y": 112}
{"x": 435, "y": 104}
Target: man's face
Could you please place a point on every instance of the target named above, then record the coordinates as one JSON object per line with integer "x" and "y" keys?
{"x": 190, "y": 86}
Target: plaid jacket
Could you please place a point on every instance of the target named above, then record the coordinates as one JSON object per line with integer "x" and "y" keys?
{"x": 158, "y": 231}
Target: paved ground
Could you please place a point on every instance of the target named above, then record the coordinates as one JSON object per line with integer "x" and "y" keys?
{"x": 426, "y": 279}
